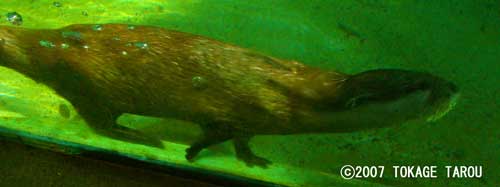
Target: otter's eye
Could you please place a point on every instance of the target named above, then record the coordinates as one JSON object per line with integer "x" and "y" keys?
{"x": 358, "y": 100}
{"x": 351, "y": 103}
{"x": 453, "y": 87}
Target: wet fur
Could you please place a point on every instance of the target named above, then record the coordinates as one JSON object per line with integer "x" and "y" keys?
{"x": 231, "y": 92}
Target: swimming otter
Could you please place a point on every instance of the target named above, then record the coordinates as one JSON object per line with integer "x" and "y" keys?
{"x": 231, "y": 92}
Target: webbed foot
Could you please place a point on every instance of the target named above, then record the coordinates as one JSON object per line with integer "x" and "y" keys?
{"x": 245, "y": 154}
{"x": 103, "y": 122}
{"x": 254, "y": 160}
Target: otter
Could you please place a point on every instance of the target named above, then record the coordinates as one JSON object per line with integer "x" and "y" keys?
{"x": 231, "y": 92}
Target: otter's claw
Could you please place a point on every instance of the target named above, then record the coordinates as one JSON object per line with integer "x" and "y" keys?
{"x": 253, "y": 160}
{"x": 191, "y": 153}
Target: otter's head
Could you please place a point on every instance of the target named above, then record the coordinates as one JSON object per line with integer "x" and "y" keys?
{"x": 385, "y": 97}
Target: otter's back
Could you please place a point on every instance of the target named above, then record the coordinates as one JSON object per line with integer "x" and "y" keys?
{"x": 159, "y": 72}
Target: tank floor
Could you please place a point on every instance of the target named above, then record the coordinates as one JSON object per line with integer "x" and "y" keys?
{"x": 26, "y": 166}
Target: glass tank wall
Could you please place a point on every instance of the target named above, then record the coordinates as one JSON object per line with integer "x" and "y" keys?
{"x": 456, "y": 40}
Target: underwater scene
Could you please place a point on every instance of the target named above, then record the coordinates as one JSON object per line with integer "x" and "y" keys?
{"x": 267, "y": 93}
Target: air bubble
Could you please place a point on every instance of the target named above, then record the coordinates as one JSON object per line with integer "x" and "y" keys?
{"x": 14, "y": 18}
{"x": 97, "y": 27}
{"x": 199, "y": 82}
{"x": 57, "y": 4}
{"x": 64, "y": 46}
{"x": 64, "y": 111}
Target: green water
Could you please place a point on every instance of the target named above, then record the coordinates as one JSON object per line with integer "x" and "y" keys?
{"x": 456, "y": 39}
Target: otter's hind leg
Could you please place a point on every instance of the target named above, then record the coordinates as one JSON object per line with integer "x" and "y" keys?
{"x": 214, "y": 135}
{"x": 244, "y": 153}
{"x": 102, "y": 120}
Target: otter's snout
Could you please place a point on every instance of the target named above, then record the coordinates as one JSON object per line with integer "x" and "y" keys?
{"x": 443, "y": 97}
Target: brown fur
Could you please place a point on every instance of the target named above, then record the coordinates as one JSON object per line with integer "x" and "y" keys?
{"x": 233, "y": 93}
{"x": 158, "y": 81}
{"x": 241, "y": 91}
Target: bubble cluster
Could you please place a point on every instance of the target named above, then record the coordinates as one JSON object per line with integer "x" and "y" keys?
{"x": 14, "y": 18}
{"x": 141, "y": 45}
{"x": 45, "y": 43}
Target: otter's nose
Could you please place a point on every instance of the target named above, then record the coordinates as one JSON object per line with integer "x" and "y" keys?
{"x": 448, "y": 89}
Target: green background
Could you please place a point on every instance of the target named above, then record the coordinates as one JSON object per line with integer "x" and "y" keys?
{"x": 456, "y": 39}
